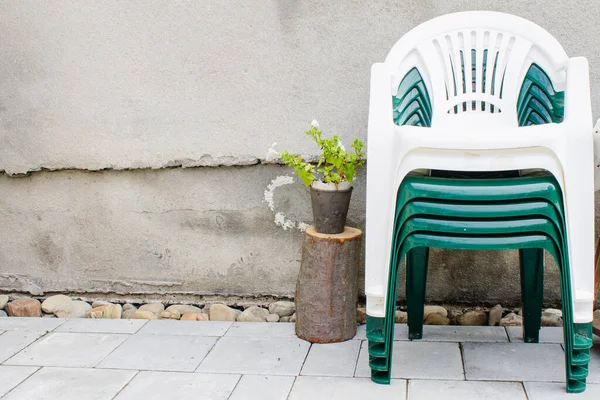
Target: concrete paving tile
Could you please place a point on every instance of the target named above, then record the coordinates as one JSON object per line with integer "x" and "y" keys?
{"x": 464, "y": 390}
{"x": 548, "y": 334}
{"x": 558, "y": 391}
{"x": 263, "y": 387}
{"x": 12, "y": 376}
{"x": 514, "y": 362}
{"x": 12, "y": 342}
{"x": 418, "y": 360}
{"x": 63, "y": 349}
{"x": 30, "y": 324}
{"x": 451, "y": 333}
{"x": 262, "y": 329}
{"x": 329, "y": 388}
{"x": 93, "y": 325}
{"x": 187, "y": 328}
{"x": 332, "y": 359}
{"x": 257, "y": 356}
{"x": 71, "y": 384}
{"x": 151, "y": 385}
{"x": 361, "y": 332}
{"x": 160, "y": 353}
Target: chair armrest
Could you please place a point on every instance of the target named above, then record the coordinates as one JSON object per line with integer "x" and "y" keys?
{"x": 578, "y": 105}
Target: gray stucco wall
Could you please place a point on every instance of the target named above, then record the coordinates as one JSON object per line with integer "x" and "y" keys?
{"x": 136, "y": 90}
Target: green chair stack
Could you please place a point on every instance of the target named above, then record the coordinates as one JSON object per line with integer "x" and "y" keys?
{"x": 524, "y": 213}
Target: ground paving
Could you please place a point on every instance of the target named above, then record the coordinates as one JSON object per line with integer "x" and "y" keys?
{"x": 133, "y": 359}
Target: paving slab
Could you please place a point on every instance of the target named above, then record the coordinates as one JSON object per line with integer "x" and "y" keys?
{"x": 256, "y": 356}
{"x": 418, "y": 360}
{"x": 63, "y": 349}
{"x": 160, "y": 353}
{"x": 332, "y": 359}
{"x": 514, "y": 362}
{"x": 11, "y": 376}
{"x": 451, "y": 333}
{"x": 151, "y": 385}
{"x": 263, "y": 387}
{"x": 262, "y": 329}
{"x": 361, "y": 332}
{"x": 548, "y": 334}
{"x": 186, "y": 328}
{"x": 331, "y": 388}
{"x": 30, "y": 324}
{"x": 464, "y": 390}
{"x": 98, "y": 325}
{"x": 558, "y": 391}
{"x": 71, "y": 384}
{"x": 12, "y": 342}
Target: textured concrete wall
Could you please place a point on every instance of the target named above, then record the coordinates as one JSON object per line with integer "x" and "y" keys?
{"x": 136, "y": 84}
{"x": 150, "y": 234}
{"x": 134, "y": 88}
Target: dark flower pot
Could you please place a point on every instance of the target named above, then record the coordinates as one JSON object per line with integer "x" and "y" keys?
{"x": 330, "y": 209}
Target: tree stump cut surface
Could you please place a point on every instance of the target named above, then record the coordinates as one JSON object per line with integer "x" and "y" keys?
{"x": 327, "y": 287}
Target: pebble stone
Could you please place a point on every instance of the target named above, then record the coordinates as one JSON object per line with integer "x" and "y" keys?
{"x": 3, "y": 313}
{"x": 170, "y": 315}
{"x": 184, "y": 308}
{"x": 272, "y": 318}
{"x": 156, "y": 308}
{"x": 473, "y": 318}
{"x": 129, "y": 307}
{"x": 73, "y": 309}
{"x": 512, "y": 319}
{"x": 401, "y": 317}
{"x": 361, "y": 315}
{"x": 551, "y": 319}
{"x": 495, "y": 315}
{"x": 434, "y": 310}
{"x": 3, "y": 301}
{"x": 283, "y": 308}
{"x": 194, "y": 317}
{"x": 253, "y": 314}
{"x": 99, "y": 303}
{"x": 293, "y": 318}
{"x": 436, "y": 319}
{"x": 108, "y": 311}
{"x": 141, "y": 314}
{"x": 53, "y": 303}
{"x": 221, "y": 312}
{"x": 24, "y": 307}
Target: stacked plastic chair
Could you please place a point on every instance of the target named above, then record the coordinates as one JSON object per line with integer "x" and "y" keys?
{"x": 480, "y": 138}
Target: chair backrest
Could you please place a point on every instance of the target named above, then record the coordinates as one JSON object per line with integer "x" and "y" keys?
{"x": 475, "y": 67}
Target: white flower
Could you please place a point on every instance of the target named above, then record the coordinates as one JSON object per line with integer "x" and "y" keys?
{"x": 272, "y": 154}
{"x": 314, "y": 124}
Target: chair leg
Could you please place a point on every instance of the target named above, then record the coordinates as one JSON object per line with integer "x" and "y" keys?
{"x": 416, "y": 279}
{"x": 532, "y": 292}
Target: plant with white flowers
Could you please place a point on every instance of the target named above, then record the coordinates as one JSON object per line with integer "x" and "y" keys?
{"x": 335, "y": 163}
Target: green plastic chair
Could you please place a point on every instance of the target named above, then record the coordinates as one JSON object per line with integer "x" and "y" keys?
{"x": 530, "y": 204}
{"x": 531, "y": 260}
{"x": 577, "y": 341}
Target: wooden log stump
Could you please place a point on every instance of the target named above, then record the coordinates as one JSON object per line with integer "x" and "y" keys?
{"x": 327, "y": 287}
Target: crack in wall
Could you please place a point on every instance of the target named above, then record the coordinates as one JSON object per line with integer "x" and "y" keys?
{"x": 204, "y": 161}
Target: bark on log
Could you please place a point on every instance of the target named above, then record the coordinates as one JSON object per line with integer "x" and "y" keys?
{"x": 327, "y": 287}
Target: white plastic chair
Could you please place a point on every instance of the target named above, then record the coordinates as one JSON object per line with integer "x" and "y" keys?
{"x": 486, "y": 137}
